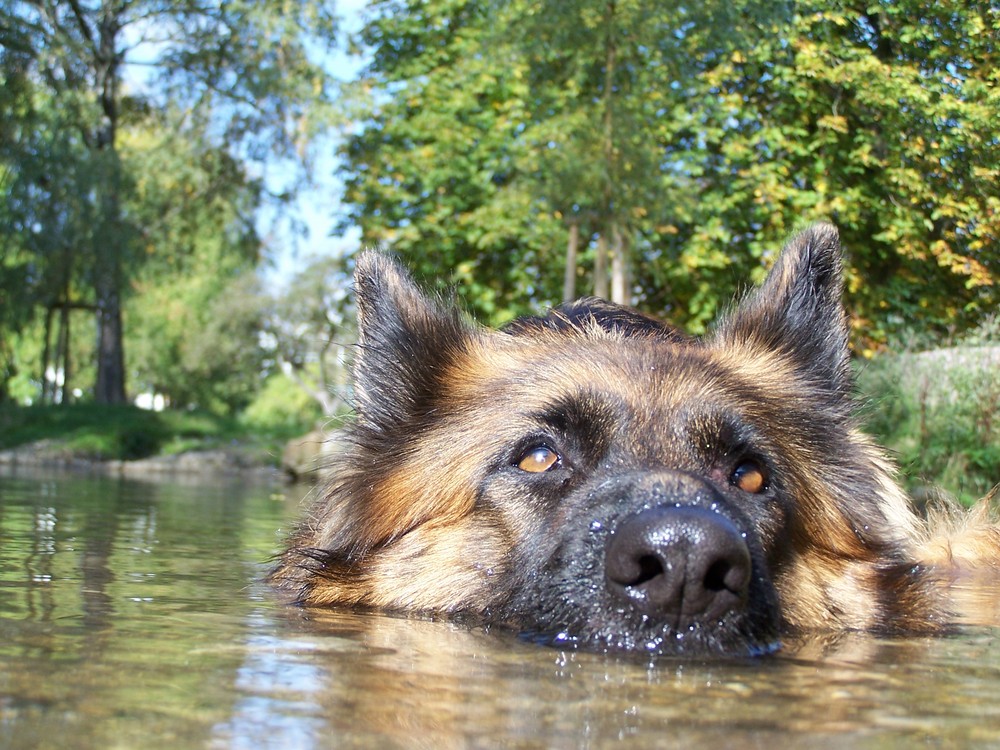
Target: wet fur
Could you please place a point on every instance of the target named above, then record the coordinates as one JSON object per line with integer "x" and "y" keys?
{"x": 427, "y": 512}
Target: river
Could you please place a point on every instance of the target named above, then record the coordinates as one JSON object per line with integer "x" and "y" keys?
{"x": 132, "y": 615}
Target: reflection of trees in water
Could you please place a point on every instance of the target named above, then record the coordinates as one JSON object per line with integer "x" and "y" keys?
{"x": 123, "y": 606}
{"x": 57, "y": 539}
{"x": 86, "y": 552}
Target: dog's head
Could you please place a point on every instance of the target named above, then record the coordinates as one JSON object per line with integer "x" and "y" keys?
{"x": 595, "y": 478}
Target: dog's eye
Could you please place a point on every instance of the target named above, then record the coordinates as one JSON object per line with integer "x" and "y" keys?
{"x": 749, "y": 477}
{"x": 538, "y": 459}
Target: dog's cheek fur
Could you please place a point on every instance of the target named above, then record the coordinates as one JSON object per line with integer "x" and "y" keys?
{"x": 403, "y": 536}
{"x": 432, "y": 569}
{"x": 850, "y": 558}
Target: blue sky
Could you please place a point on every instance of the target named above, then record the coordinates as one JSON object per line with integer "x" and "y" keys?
{"x": 318, "y": 206}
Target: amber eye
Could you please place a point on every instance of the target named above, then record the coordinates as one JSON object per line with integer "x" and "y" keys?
{"x": 538, "y": 459}
{"x": 749, "y": 477}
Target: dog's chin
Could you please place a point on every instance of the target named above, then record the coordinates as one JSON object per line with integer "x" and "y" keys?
{"x": 731, "y": 638}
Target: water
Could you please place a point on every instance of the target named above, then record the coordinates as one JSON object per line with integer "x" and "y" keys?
{"x": 132, "y": 615}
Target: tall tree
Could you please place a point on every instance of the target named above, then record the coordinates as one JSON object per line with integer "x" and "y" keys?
{"x": 193, "y": 323}
{"x": 497, "y": 134}
{"x": 244, "y": 66}
{"x": 432, "y": 171}
{"x": 689, "y": 141}
{"x": 883, "y": 118}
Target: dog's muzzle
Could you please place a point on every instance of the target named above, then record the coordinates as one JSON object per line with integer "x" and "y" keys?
{"x": 680, "y": 564}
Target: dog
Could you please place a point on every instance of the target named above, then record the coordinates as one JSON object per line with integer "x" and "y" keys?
{"x": 596, "y": 479}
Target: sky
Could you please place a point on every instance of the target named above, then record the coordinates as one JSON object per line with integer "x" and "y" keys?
{"x": 318, "y": 206}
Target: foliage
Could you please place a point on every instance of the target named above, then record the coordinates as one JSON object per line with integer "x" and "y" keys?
{"x": 282, "y": 403}
{"x": 939, "y": 411}
{"x": 127, "y": 432}
{"x": 194, "y": 317}
{"x": 703, "y": 137}
{"x": 307, "y": 330}
{"x": 71, "y": 213}
{"x": 432, "y": 173}
{"x": 881, "y": 117}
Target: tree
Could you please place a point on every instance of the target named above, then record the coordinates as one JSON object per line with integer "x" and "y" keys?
{"x": 46, "y": 215}
{"x": 495, "y": 135}
{"x": 432, "y": 170}
{"x": 688, "y": 142}
{"x": 242, "y": 66}
{"x": 308, "y": 329}
{"x": 194, "y": 321}
{"x": 881, "y": 117}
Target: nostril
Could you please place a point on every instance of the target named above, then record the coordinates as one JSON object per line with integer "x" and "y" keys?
{"x": 649, "y": 568}
{"x": 716, "y": 575}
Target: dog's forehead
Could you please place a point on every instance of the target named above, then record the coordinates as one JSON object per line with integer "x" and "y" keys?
{"x": 649, "y": 373}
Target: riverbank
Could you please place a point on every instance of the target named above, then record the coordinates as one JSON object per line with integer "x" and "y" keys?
{"x": 228, "y": 462}
{"x": 127, "y": 441}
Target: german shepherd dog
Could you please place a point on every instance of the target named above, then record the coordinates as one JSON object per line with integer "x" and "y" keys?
{"x": 596, "y": 479}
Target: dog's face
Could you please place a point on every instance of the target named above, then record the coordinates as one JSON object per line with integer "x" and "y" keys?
{"x": 596, "y": 479}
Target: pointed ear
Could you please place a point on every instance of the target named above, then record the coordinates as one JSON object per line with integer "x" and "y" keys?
{"x": 798, "y": 311}
{"x": 405, "y": 341}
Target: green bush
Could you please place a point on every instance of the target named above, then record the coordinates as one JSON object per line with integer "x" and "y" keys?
{"x": 88, "y": 429}
{"x": 939, "y": 412}
{"x": 281, "y": 404}
{"x": 128, "y": 432}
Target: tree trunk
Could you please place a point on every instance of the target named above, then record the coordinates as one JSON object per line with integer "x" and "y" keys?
{"x": 48, "y": 391}
{"x": 619, "y": 267}
{"x": 62, "y": 351}
{"x": 110, "y": 385}
{"x": 601, "y": 268}
{"x": 569, "y": 280}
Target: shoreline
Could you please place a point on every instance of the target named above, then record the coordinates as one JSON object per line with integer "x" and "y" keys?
{"x": 304, "y": 459}
{"x": 229, "y": 463}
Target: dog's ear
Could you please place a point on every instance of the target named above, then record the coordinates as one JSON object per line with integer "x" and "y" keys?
{"x": 798, "y": 311}
{"x": 405, "y": 341}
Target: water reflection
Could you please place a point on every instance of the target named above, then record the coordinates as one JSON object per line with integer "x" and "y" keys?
{"x": 277, "y": 686}
{"x": 132, "y": 615}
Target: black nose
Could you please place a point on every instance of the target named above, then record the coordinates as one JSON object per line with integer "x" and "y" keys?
{"x": 687, "y": 564}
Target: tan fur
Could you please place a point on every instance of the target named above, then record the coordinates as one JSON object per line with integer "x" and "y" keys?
{"x": 964, "y": 539}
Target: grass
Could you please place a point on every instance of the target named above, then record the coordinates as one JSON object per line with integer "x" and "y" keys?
{"x": 939, "y": 413}
{"x": 127, "y": 432}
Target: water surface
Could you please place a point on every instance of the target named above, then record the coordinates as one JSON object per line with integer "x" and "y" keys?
{"x": 132, "y": 615}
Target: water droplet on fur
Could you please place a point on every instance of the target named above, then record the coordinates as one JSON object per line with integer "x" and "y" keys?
{"x": 490, "y": 572}
{"x": 596, "y": 526}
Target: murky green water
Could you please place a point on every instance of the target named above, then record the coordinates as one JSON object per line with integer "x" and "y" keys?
{"x": 131, "y": 615}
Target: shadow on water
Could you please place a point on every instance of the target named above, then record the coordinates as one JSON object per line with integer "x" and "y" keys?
{"x": 132, "y": 615}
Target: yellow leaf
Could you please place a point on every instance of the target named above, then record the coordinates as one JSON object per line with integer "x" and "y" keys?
{"x": 837, "y": 123}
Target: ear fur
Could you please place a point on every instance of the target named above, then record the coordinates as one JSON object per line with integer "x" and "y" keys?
{"x": 405, "y": 341}
{"x": 798, "y": 311}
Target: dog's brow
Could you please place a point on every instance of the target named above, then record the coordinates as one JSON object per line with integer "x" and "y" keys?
{"x": 716, "y": 433}
{"x": 587, "y": 416}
